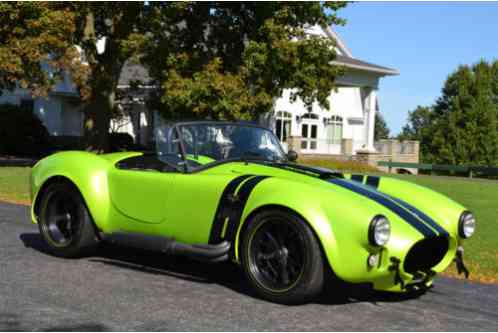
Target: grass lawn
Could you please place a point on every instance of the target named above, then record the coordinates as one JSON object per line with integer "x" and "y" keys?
{"x": 480, "y": 196}
{"x": 14, "y": 184}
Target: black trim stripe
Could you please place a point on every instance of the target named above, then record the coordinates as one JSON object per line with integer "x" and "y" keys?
{"x": 373, "y": 181}
{"x": 389, "y": 204}
{"x": 223, "y": 209}
{"x": 427, "y": 219}
{"x": 238, "y": 207}
{"x": 357, "y": 178}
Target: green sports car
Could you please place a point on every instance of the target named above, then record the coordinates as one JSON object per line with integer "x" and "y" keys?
{"x": 217, "y": 191}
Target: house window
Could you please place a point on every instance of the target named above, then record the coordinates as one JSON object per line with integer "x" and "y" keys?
{"x": 309, "y": 131}
{"x": 283, "y": 125}
{"x": 309, "y": 116}
{"x": 333, "y": 128}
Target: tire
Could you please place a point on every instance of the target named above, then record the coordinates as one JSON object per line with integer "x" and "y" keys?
{"x": 275, "y": 241}
{"x": 65, "y": 223}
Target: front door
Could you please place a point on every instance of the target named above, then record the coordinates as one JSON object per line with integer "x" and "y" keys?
{"x": 309, "y": 134}
{"x": 139, "y": 188}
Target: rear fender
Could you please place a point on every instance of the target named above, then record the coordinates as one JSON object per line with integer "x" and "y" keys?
{"x": 86, "y": 171}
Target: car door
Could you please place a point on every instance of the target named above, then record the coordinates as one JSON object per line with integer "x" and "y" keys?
{"x": 140, "y": 187}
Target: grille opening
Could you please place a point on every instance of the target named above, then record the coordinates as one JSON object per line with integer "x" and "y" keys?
{"x": 426, "y": 254}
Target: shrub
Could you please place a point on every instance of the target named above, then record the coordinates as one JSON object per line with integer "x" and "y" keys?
{"x": 120, "y": 142}
{"x": 22, "y": 133}
{"x": 330, "y": 163}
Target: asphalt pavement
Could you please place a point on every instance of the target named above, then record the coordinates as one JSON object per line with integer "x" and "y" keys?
{"x": 124, "y": 289}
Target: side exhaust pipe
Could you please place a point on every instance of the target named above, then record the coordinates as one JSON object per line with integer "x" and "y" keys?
{"x": 199, "y": 252}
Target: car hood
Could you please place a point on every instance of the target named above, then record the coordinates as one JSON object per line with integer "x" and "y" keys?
{"x": 430, "y": 213}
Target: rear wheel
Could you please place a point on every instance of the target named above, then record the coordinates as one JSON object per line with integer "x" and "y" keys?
{"x": 64, "y": 222}
{"x": 281, "y": 257}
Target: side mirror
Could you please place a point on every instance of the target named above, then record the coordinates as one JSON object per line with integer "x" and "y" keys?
{"x": 292, "y": 155}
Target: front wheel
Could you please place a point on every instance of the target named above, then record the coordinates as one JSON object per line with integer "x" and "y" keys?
{"x": 64, "y": 222}
{"x": 281, "y": 257}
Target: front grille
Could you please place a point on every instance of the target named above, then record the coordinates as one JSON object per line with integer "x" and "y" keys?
{"x": 426, "y": 254}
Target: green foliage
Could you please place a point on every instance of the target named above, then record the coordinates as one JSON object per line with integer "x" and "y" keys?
{"x": 462, "y": 126}
{"x": 21, "y": 132}
{"x": 381, "y": 130}
{"x": 41, "y": 38}
{"x": 33, "y": 35}
{"x": 212, "y": 59}
{"x": 231, "y": 60}
{"x": 419, "y": 128}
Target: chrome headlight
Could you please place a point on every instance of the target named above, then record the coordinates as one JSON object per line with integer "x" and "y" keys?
{"x": 466, "y": 225}
{"x": 379, "y": 231}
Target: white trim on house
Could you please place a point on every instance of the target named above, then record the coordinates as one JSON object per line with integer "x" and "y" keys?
{"x": 350, "y": 122}
{"x": 339, "y": 42}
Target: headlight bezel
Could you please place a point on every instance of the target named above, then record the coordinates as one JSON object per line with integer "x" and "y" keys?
{"x": 464, "y": 217}
{"x": 379, "y": 221}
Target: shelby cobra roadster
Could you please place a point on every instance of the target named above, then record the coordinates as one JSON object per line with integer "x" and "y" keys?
{"x": 217, "y": 191}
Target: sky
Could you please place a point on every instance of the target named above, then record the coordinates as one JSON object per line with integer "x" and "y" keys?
{"x": 424, "y": 41}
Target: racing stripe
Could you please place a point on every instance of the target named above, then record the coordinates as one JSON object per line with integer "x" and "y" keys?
{"x": 223, "y": 209}
{"x": 388, "y": 203}
{"x": 238, "y": 207}
{"x": 357, "y": 178}
{"x": 427, "y": 219}
{"x": 373, "y": 181}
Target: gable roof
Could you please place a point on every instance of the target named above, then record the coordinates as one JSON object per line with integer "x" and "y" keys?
{"x": 354, "y": 63}
{"x": 345, "y": 57}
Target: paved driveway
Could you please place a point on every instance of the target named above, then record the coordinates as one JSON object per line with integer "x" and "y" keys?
{"x": 123, "y": 289}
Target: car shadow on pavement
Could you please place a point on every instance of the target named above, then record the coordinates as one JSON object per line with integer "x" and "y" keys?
{"x": 225, "y": 274}
{"x": 11, "y": 322}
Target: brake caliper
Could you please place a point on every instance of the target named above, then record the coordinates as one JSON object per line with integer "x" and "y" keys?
{"x": 459, "y": 262}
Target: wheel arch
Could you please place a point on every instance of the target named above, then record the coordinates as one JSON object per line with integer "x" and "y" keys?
{"x": 245, "y": 223}
{"x": 43, "y": 188}
{"x": 84, "y": 171}
{"x": 58, "y": 179}
{"x": 323, "y": 237}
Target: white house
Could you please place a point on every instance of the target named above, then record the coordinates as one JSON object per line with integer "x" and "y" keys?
{"x": 349, "y": 124}
{"x": 345, "y": 129}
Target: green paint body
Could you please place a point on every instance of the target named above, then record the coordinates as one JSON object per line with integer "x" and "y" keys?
{"x": 183, "y": 205}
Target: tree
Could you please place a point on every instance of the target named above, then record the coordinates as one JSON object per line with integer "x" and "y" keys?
{"x": 43, "y": 41}
{"x": 218, "y": 60}
{"x": 462, "y": 126}
{"x": 381, "y": 130}
{"x": 418, "y": 120}
{"x": 419, "y": 128}
{"x": 231, "y": 60}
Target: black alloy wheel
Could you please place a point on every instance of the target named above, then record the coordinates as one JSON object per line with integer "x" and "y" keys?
{"x": 276, "y": 254}
{"x": 61, "y": 220}
{"x": 64, "y": 221}
{"x": 281, "y": 257}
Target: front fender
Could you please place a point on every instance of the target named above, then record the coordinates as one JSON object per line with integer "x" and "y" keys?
{"x": 332, "y": 215}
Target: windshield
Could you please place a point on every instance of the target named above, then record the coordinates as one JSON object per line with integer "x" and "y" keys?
{"x": 206, "y": 143}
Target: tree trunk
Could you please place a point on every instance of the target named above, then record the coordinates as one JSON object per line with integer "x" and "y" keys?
{"x": 97, "y": 121}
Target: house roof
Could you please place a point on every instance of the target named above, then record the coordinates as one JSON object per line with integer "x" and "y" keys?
{"x": 354, "y": 63}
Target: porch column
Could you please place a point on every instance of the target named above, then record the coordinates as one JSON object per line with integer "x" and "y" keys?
{"x": 370, "y": 115}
